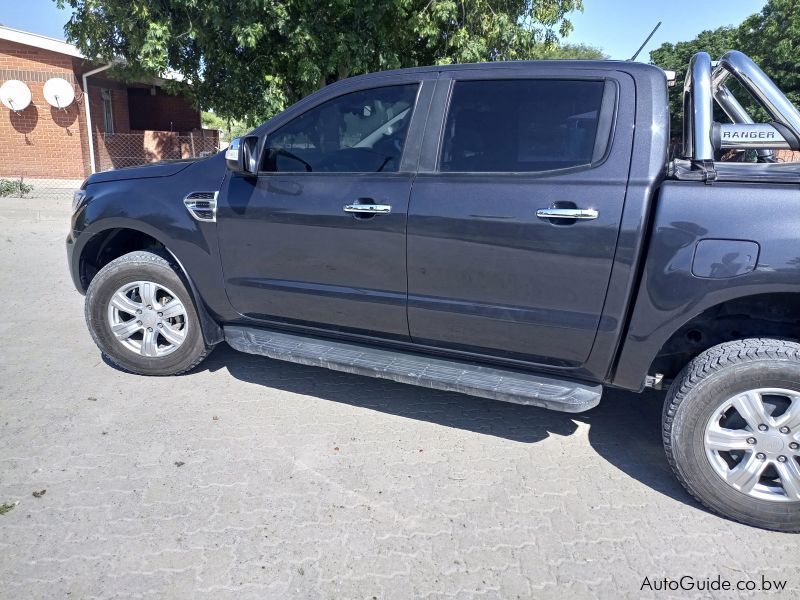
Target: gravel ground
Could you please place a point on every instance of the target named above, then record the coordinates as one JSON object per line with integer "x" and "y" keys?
{"x": 250, "y": 478}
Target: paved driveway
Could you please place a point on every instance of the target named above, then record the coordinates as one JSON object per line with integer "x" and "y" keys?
{"x": 254, "y": 478}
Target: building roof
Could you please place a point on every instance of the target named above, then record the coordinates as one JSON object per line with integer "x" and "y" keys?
{"x": 38, "y": 41}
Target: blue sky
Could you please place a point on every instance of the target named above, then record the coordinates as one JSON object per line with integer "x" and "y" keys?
{"x": 619, "y": 27}
{"x": 616, "y": 26}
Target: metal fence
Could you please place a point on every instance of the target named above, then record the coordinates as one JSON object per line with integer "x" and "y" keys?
{"x": 118, "y": 150}
{"x": 34, "y": 188}
{"x": 114, "y": 151}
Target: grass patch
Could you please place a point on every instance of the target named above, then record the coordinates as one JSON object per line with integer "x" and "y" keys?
{"x": 14, "y": 188}
{"x": 4, "y": 508}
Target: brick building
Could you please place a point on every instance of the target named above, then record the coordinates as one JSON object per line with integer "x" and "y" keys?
{"x": 131, "y": 123}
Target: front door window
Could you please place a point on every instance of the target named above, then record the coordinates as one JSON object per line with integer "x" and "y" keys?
{"x": 360, "y": 132}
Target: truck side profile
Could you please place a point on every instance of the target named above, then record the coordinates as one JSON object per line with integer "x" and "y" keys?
{"x": 514, "y": 231}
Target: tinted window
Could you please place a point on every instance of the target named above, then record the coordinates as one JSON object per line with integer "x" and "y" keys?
{"x": 521, "y": 125}
{"x": 361, "y": 132}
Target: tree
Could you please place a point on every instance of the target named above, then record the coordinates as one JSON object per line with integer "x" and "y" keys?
{"x": 675, "y": 57}
{"x": 771, "y": 38}
{"x": 247, "y": 59}
{"x": 228, "y": 128}
{"x": 567, "y": 52}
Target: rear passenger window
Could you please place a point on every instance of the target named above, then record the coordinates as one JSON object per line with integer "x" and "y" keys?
{"x": 529, "y": 125}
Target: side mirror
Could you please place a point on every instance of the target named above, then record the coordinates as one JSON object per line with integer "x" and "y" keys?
{"x": 242, "y": 155}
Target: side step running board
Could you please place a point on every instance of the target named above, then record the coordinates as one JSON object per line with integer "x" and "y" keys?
{"x": 507, "y": 385}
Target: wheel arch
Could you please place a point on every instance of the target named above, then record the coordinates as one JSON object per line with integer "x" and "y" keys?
{"x": 768, "y": 314}
{"x": 119, "y": 238}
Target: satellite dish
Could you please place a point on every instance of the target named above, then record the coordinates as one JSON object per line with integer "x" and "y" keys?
{"x": 15, "y": 95}
{"x": 58, "y": 92}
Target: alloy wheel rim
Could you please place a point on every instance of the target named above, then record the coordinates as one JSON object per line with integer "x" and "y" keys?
{"x": 752, "y": 441}
{"x": 148, "y": 319}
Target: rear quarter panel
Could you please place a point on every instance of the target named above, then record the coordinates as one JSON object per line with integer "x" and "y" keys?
{"x": 670, "y": 295}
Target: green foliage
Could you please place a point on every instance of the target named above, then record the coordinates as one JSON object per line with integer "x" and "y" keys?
{"x": 6, "y": 507}
{"x": 230, "y": 128}
{"x": 248, "y": 59}
{"x": 15, "y": 188}
{"x": 566, "y": 51}
{"x": 771, "y": 38}
{"x": 676, "y": 57}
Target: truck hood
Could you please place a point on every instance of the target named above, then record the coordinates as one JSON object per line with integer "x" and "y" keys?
{"x": 159, "y": 169}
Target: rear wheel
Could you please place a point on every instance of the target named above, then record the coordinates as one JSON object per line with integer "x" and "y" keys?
{"x": 732, "y": 431}
{"x": 141, "y": 316}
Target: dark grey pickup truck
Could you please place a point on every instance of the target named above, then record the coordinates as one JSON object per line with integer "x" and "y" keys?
{"x": 515, "y": 231}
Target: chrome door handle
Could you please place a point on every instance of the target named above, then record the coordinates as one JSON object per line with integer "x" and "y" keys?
{"x": 373, "y": 209}
{"x": 567, "y": 213}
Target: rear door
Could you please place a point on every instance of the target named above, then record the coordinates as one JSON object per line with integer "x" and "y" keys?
{"x": 488, "y": 271}
{"x": 319, "y": 237}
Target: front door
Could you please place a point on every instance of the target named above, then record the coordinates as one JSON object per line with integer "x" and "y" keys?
{"x": 318, "y": 238}
{"x": 488, "y": 272}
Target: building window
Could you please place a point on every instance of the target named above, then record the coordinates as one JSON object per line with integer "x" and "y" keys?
{"x": 108, "y": 114}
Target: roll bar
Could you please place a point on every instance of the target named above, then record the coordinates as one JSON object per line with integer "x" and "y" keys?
{"x": 705, "y": 84}
{"x": 698, "y": 109}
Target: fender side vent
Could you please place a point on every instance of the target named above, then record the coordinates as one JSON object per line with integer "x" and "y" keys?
{"x": 202, "y": 205}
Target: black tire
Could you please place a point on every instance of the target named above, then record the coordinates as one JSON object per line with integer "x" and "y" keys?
{"x": 716, "y": 375}
{"x": 136, "y": 266}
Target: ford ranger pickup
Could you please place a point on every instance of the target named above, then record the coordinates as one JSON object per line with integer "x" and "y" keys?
{"x": 517, "y": 231}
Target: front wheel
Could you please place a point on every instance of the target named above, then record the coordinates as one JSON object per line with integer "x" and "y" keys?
{"x": 142, "y": 318}
{"x": 731, "y": 429}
